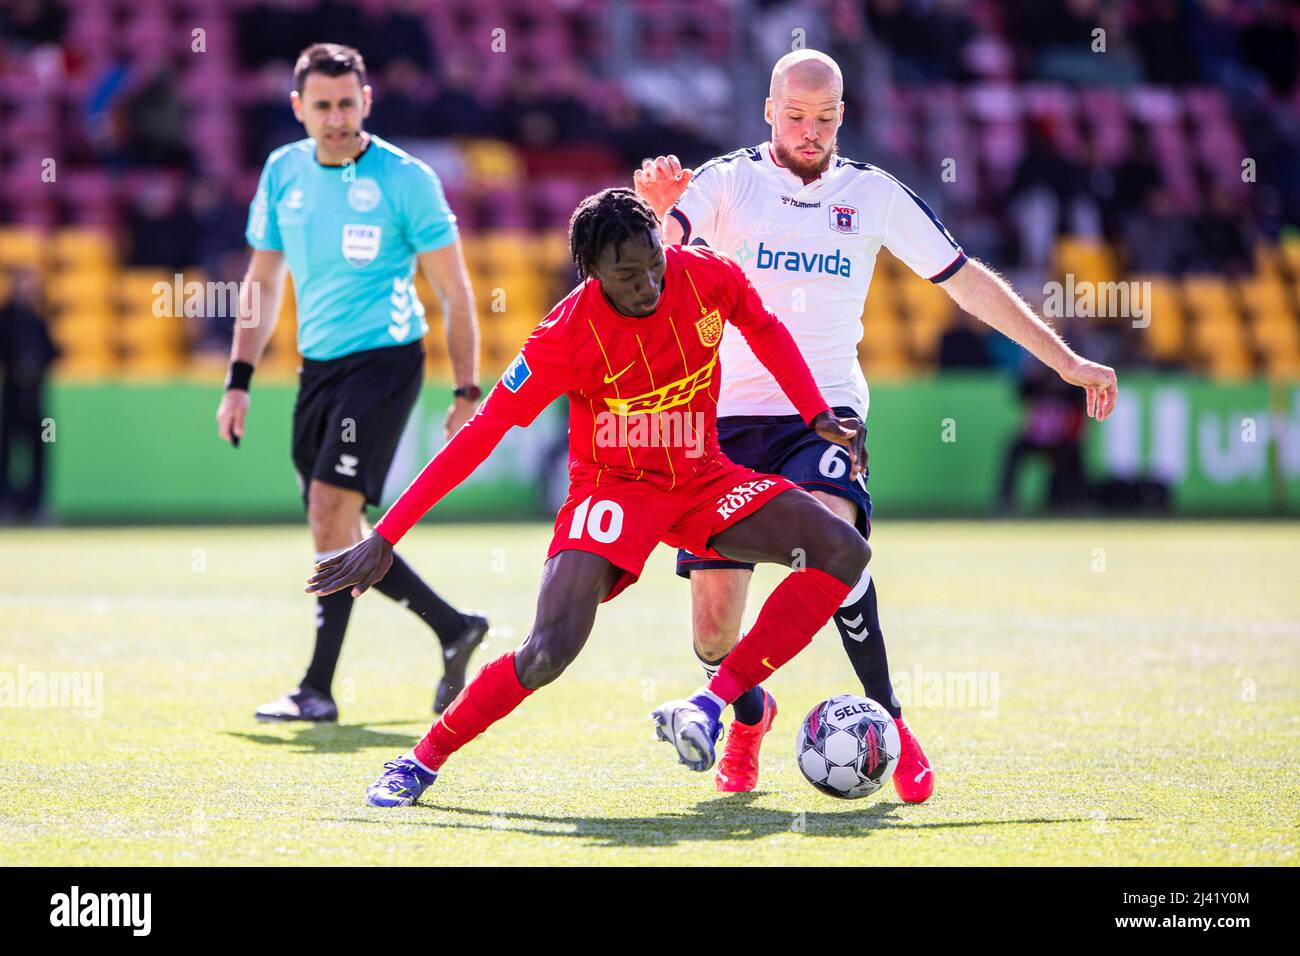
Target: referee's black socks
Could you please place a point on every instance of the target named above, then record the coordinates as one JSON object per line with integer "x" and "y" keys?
{"x": 407, "y": 588}
{"x": 332, "y": 613}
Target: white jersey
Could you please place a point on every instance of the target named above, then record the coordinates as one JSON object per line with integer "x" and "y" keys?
{"x": 809, "y": 251}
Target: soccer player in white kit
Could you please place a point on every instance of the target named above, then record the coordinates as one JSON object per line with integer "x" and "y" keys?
{"x": 806, "y": 225}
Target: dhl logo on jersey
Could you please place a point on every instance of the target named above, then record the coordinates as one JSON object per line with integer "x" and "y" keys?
{"x": 670, "y": 396}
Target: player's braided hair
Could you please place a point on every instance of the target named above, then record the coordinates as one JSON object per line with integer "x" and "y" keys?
{"x": 611, "y": 215}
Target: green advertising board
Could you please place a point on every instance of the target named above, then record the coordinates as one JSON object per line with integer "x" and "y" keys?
{"x": 150, "y": 451}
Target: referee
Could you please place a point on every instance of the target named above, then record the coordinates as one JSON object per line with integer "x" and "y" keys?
{"x": 350, "y": 216}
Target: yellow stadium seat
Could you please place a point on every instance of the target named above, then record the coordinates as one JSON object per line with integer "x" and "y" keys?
{"x": 1289, "y": 250}
{"x": 887, "y": 334}
{"x": 1217, "y": 331}
{"x": 1209, "y": 297}
{"x": 1166, "y": 336}
{"x": 1265, "y": 293}
{"x": 924, "y": 336}
{"x": 1283, "y": 367}
{"x": 1276, "y": 334}
{"x": 78, "y": 247}
{"x": 23, "y": 246}
{"x": 1229, "y": 364}
{"x": 890, "y": 365}
{"x": 1268, "y": 260}
{"x": 1088, "y": 260}
{"x": 68, "y": 287}
{"x": 87, "y": 363}
{"x": 924, "y": 300}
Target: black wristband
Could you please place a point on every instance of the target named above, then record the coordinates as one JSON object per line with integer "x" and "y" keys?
{"x": 240, "y": 376}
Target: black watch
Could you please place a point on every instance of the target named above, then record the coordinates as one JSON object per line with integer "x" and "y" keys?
{"x": 472, "y": 392}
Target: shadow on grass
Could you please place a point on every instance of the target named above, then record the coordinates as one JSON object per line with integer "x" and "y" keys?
{"x": 730, "y": 817}
{"x": 335, "y": 738}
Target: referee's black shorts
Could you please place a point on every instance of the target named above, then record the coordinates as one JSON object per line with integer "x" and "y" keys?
{"x": 350, "y": 414}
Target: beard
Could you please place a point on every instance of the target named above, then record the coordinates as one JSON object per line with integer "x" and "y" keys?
{"x": 804, "y": 168}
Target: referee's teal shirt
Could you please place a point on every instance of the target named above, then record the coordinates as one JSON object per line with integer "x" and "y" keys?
{"x": 350, "y": 235}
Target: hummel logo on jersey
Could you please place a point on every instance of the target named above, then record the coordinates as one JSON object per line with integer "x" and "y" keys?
{"x": 347, "y": 465}
{"x": 609, "y": 379}
{"x": 836, "y": 263}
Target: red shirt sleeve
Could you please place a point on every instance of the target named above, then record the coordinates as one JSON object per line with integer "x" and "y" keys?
{"x": 534, "y": 380}
{"x": 773, "y": 345}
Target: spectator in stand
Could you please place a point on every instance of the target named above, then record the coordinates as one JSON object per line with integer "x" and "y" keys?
{"x": 155, "y": 119}
{"x": 1155, "y": 237}
{"x": 1270, "y": 45}
{"x": 1218, "y": 242}
{"x": 33, "y": 23}
{"x": 403, "y": 35}
{"x": 402, "y": 101}
{"x": 160, "y": 227}
{"x": 26, "y": 354}
{"x": 1052, "y": 428}
{"x": 456, "y": 109}
{"x": 1048, "y": 195}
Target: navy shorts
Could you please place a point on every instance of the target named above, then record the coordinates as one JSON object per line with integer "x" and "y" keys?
{"x": 784, "y": 445}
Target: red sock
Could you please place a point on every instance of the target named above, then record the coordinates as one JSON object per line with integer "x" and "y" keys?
{"x": 798, "y": 608}
{"x": 493, "y": 693}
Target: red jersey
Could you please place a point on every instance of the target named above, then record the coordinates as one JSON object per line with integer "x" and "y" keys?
{"x": 643, "y": 392}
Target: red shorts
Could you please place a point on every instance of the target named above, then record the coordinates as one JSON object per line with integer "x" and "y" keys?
{"x": 623, "y": 520}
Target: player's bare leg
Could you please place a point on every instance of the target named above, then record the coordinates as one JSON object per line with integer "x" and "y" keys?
{"x": 792, "y": 529}
{"x": 335, "y": 517}
{"x": 573, "y": 585}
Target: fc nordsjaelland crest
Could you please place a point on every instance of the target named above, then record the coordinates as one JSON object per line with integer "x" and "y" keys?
{"x": 844, "y": 218}
{"x": 710, "y": 328}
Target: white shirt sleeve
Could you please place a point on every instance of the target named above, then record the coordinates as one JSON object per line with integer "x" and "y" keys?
{"x": 704, "y": 204}
{"x": 914, "y": 234}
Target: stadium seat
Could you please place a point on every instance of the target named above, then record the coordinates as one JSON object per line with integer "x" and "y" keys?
{"x": 1166, "y": 336}
{"x": 1086, "y": 259}
{"x": 20, "y": 246}
{"x": 1208, "y": 294}
{"x": 79, "y": 248}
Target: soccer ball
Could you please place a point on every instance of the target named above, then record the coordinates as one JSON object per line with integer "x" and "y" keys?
{"x": 848, "y": 746}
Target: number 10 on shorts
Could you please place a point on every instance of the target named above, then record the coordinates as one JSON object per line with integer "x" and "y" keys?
{"x": 603, "y": 521}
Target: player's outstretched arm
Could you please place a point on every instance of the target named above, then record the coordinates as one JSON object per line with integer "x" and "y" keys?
{"x": 985, "y": 295}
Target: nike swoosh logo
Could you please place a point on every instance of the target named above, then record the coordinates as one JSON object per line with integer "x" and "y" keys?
{"x": 398, "y": 793}
{"x": 767, "y": 665}
{"x": 609, "y": 379}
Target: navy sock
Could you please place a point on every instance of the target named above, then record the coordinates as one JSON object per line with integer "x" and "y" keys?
{"x": 332, "y": 613}
{"x": 749, "y": 706}
{"x": 864, "y": 642}
{"x": 404, "y": 586}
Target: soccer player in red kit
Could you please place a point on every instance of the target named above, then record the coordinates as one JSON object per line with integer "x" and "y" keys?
{"x": 635, "y": 348}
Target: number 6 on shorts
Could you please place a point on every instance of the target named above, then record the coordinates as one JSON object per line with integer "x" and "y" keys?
{"x": 592, "y": 517}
